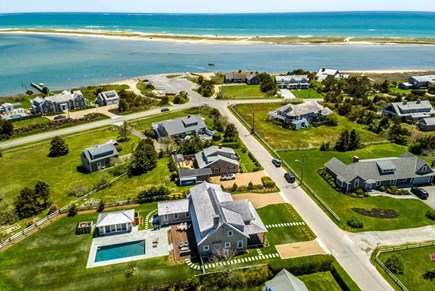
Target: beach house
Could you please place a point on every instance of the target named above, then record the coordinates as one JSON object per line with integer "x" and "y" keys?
{"x": 57, "y": 103}
{"x": 410, "y": 110}
{"x": 181, "y": 127}
{"x": 107, "y": 98}
{"x": 427, "y": 124}
{"x": 249, "y": 78}
{"x": 98, "y": 157}
{"x": 292, "y": 82}
{"x": 421, "y": 81}
{"x": 405, "y": 171}
{"x": 220, "y": 160}
{"x": 323, "y": 73}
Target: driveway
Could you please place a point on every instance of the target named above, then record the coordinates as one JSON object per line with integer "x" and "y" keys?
{"x": 242, "y": 179}
{"x": 287, "y": 94}
{"x": 431, "y": 199}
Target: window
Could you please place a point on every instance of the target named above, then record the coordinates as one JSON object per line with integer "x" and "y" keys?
{"x": 230, "y": 233}
{"x": 424, "y": 169}
{"x": 187, "y": 214}
{"x": 176, "y": 216}
{"x": 356, "y": 184}
{"x": 205, "y": 248}
{"x": 378, "y": 183}
{"x": 240, "y": 244}
{"x": 227, "y": 245}
{"x": 165, "y": 217}
{"x": 393, "y": 182}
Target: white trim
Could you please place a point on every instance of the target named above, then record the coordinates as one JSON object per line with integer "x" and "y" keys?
{"x": 393, "y": 182}
{"x": 230, "y": 233}
{"x": 176, "y": 216}
{"x": 240, "y": 244}
{"x": 205, "y": 248}
{"x": 378, "y": 183}
{"x": 165, "y": 217}
{"x": 227, "y": 245}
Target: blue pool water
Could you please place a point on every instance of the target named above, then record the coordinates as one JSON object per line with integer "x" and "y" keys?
{"x": 119, "y": 251}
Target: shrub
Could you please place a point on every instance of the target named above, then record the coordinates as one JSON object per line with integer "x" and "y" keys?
{"x": 72, "y": 211}
{"x": 101, "y": 206}
{"x": 234, "y": 187}
{"x": 430, "y": 214}
{"x": 244, "y": 150}
{"x": 118, "y": 147}
{"x": 395, "y": 264}
{"x": 267, "y": 182}
{"x": 250, "y": 185}
{"x": 355, "y": 222}
{"x": 217, "y": 136}
{"x": 149, "y": 132}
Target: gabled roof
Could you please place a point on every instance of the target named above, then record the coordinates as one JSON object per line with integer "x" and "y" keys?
{"x": 109, "y": 95}
{"x": 285, "y": 281}
{"x": 212, "y": 154}
{"x": 117, "y": 217}
{"x": 292, "y": 110}
{"x": 428, "y": 121}
{"x": 173, "y": 206}
{"x": 98, "y": 152}
{"x": 425, "y": 78}
{"x": 65, "y": 96}
{"x": 401, "y": 108}
{"x": 292, "y": 79}
{"x": 181, "y": 125}
{"x": 194, "y": 173}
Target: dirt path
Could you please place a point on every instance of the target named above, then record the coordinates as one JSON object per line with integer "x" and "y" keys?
{"x": 301, "y": 249}
{"x": 260, "y": 200}
{"x": 242, "y": 179}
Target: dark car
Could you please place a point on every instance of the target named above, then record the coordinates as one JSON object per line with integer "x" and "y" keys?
{"x": 164, "y": 109}
{"x": 419, "y": 192}
{"x": 276, "y": 162}
{"x": 290, "y": 177}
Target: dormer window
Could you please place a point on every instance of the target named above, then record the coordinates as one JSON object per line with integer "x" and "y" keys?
{"x": 424, "y": 169}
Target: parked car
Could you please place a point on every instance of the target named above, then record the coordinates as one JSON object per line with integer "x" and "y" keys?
{"x": 229, "y": 176}
{"x": 61, "y": 116}
{"x": 276, "y": 162}
{"x": 164, "y": 109}
{"x": 420, "y": 192}
{"x": 290, "y": 177}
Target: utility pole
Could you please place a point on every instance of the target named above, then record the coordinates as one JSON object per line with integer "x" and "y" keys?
{"x": 253, "y": 122}
{"x": 302, "y": 161}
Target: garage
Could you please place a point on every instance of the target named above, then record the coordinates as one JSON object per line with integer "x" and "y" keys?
{"x": 422, "y": 180}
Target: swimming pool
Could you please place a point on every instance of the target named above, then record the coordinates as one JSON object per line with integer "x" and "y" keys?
{"x": 118, "y": 251}
{"x": 15, "y": 116}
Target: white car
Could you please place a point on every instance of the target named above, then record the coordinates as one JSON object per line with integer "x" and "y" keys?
{"x": 229, "y": 176}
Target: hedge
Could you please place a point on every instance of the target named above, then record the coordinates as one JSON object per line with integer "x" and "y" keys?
{"x": 267, "y": 182}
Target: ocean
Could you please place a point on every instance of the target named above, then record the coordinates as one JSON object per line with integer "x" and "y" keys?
{"x": 72, "y": 61}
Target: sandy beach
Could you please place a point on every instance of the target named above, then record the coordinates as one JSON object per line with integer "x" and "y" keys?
{"x": 217, "y": 39}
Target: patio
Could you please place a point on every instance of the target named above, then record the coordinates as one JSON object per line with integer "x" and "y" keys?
{"x": 183, "y": 241}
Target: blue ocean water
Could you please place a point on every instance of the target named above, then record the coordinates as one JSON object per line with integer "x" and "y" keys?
{"x": 72, "y": 61}
{"x": 370, "y": 24}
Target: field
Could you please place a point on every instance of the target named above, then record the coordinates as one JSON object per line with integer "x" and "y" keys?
{"x": 303, "y": 138}
{"x": 23, "y": 167}
{"x": 55, "y": 258}
{"x": 307, "y": 94}
{"x": 241, "y": 92}
{"x": 411, "y": 211}
{"x": 30, "y": 121}
{"x": 320, "y": 281}
{"x": 416, "y": 263}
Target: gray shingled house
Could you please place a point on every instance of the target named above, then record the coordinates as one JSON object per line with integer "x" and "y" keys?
{"x": 107, "y": 98}
{"x": 284, "y": 281}
{"x": 292, "y": 82}
{"x": 249, "y": 78}
{"x": 194, "y": 176}
{"x": 421, "y": 81}
{"x": 407, "y": 170}
{"x": 300, "y": 115}
{"x": 411, "y": 110}
{"x": 57, "y": 103}
{"x": 173, "y": 211}
{"x": 218, "y": 222}
{"x": 180, "y": 127}
{"x": 220, "y": 160}
{"x": 427, "y": 124}
{"x": 98, "y": 157}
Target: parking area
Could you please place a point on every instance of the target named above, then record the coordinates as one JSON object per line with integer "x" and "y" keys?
{"x": 430, "y": 201}
{"x": 260, "y": 200}
{"x": 242, "y": 179}
{"x": 301, "y": 249}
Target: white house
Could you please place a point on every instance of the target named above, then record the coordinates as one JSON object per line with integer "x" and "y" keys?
{"x": 323, "y": 73}
{"x": 115, "y": 222}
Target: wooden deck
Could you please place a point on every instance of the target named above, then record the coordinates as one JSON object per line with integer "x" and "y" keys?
{"x": 182, "y": 250}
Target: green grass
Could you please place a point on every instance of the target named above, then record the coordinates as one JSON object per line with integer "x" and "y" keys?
{"x": 282, "y": 213}
{"x": 55, "y": 258}
{"x": 246, "y": 163}
{"x": 242, "y": 92}
{"x": 307, "y": 94}
{"x": 416, "y": 262}
{"x": 411, "y": 212}
{"x": 281, "y": 138}
{"x": 398, "y": 90}
{"x": 30, "y": 121}
{"x": 23, "y": 167}
{"x": 173, "y": 76}
{"x": 320, "y": 281}
{"x": 89, "y": 91}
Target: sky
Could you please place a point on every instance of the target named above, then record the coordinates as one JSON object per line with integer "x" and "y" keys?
{"x": 212, "y": 6}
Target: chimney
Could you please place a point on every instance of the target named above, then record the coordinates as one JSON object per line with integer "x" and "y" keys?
{"x": 215, "y": 221}
{"x": 220, "y": 146}
{"x": 418, "y": 101}
{"x": 405, "y": 101}
{"x": 355, "y": 159}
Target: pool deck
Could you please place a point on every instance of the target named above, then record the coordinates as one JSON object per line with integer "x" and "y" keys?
{"x": 162, "y": 248}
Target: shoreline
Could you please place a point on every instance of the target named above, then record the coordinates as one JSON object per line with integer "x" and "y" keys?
{"x": 216, "y": 39}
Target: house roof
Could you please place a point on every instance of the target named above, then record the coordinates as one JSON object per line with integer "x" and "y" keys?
{"x": 425, "y": 78}
{"x": 101, "y": 151}
{"x": 65, "y": 96}
{"x": 181, "y": 125}
{"x": 428, "y": 121}
{"x": 240, "y": 75}
{"x": 213, "y": 154}
{"x": 117, "y": 217}
{"x": 194, "y": 173}
{"x": 173, "y": 206}
{"x": 208, "y": 201}
{"x": 403, "y": 108}
{"x": 292, "y": 79}
{"x": 292, "y": 110}
{"x": 285, "y": 281}
{"x": 403, "y": 167}
{"x": 323, "y": 73}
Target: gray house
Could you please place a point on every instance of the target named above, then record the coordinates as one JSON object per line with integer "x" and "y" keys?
{"x": 219, "y": 222}
{"x": 249, "y": 78}
{"x": 292, "y": 82}
{"x": 194, "y": 176}
{"x": 284, "y": 281}
{"x": 98, "y": 157}
{"x": 107, "y": 98}
{"x": 181, "y": 127}
{"x": 427, "y": 124}
{"x": 299, "y": 115}
{"x": 407, "y": 170}
{"x": 421, "y": 81}
{"x": 173, "y": 211}
{"x": 6, "y": 108}
{"x": 57, "y": 103}
{"x": 410, "y": 110}
{"x": 220, "y": 160}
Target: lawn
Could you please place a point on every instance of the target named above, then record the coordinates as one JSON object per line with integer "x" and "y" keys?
{"x": 307, "y": 94}
{"x": 241, "y": 92}
{"x": 89, "y": 91}
{"x": 320, "y": 281}
{"x": 30, "y": 121}
{"x": 411, "y": 211}
{"x": 23, "y": 167}
{"x": 55, "y": 258}
{"x": 416, "y": 263}
{"x": 282, "y": 213}
{"x": 246, "y": 163}
{"x": 281, "y": 138}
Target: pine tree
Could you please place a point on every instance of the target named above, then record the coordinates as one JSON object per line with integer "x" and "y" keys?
{"x": 231, "y": 133}
{"x": 354, "y": 140}
{"x": 42, "y": 194}
{"x": 144, "y": 158}
{"x": 342, "y": 143}
{"x": 58, "y": 147}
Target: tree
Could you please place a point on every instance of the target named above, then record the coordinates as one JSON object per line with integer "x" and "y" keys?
{"x": 73, "y": 210}
{"x": 25, "y": 205}
{"x": 6, "y": 127}
{"x": 144, "y": 158}
{"x": 42, "y": 194}
{"x": 354, "y": 140}
{"x": 58, "y": 147}
{"x": 231, "y": 133}
{"x": 429, "y": 275}
{"x": 101, "y": 206}
{"x": 342, "y": 143}
{"x": 124, "y": 131}
{"x": 333, "y": 119}
{"x": 171, "y": 165}
{"x": 394, "y": 264}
